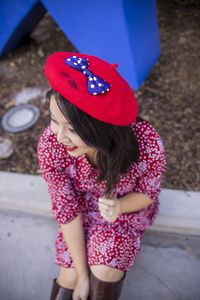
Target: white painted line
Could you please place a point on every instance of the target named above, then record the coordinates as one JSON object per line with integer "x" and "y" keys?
{"x": 179, "y": 210}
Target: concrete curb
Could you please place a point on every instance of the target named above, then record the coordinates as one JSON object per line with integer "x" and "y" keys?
{"x": 179, "y": 210}
{"x": 24, "y": 193}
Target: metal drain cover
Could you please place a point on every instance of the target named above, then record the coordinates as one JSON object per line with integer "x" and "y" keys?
{"x": 20, "y": 118}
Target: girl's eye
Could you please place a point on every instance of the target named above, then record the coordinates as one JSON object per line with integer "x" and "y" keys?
{"x": 53, "y": 120}
{"x": 72, "y": 130}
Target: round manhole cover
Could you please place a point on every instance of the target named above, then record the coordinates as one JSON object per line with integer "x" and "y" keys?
{"x": 20, "y": 118}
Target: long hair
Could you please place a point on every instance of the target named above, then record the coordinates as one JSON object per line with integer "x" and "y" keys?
{"x": 117, "y": 147}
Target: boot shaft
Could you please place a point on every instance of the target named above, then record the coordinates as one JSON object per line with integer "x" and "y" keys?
{"x": 60, "y": 293}
{"x": 102, "y": 290}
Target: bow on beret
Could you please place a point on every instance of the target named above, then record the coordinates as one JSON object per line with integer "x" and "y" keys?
{"x": 96, "y": 85}
{"x": 93, "y": 85}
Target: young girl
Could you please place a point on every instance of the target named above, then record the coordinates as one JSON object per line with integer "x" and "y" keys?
{"x": 104, "y": 169}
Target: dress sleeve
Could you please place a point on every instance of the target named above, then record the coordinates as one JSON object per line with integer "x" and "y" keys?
{"x": 65, "y": 199}
{"x": 152, "y": 166}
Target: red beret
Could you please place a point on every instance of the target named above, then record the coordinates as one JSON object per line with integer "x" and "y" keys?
{"x": 117, "y": 106}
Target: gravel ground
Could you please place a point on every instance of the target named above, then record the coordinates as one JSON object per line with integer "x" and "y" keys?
{"x": 169, "y": 98}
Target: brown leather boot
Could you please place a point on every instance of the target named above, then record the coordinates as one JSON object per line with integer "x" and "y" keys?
{"x": 60, "y": 293}
{"x": 102, "y": 290}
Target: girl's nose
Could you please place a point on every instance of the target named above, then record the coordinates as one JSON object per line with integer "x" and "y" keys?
{"x": 61, "y": 137}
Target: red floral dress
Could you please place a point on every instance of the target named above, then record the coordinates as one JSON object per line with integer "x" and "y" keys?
{"x": 73, "y": 190}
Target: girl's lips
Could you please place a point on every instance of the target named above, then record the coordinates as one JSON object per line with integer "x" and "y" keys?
{"x": 70, "y": 148}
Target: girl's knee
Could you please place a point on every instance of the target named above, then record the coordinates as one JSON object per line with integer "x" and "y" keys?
{"x": 106, "y": 273}
{"x": 67, "y": 278}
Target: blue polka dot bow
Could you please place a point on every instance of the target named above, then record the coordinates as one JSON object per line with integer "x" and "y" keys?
{"x": 96, "y": 85}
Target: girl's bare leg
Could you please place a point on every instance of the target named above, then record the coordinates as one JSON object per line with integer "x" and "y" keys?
{"x": 67, "y": 278}
{"x": 106, "y": 273}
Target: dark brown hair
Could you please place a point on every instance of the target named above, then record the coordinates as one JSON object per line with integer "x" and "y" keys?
{"x": 117, "y": 147}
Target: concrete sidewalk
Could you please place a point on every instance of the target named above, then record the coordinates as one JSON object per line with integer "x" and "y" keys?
{"x": 168, "y": 266}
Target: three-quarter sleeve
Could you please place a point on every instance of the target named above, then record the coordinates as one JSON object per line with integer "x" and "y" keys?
{"x": 152, "y": 164}
{"x": 66, "y": 201}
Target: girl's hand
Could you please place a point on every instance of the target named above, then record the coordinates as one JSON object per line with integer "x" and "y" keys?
{"x": 82, "y": 288}
{"x": 109, "y": 208}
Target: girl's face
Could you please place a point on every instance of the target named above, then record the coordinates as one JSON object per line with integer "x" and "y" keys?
{"x": 66, "y": 134}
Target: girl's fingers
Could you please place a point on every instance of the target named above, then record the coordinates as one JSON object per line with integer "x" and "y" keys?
{"x": 104, "y": 207}
{"x": 105, "y": 216}
{"x": 108, "y": 202}
{"x": 106, "y": 210}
